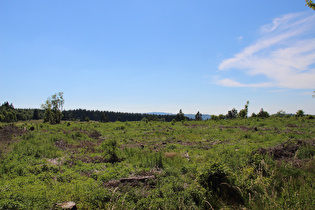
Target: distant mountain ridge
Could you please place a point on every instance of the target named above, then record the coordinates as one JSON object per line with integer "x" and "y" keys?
{"x": 204, "y": 116}
{"x": 190, "y": 116}
{"x": 159, "y": 113}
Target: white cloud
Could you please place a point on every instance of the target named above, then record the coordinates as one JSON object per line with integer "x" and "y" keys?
{"x": 233, "y": 83}
{"x": 240, "y": 38}
{"x": 284, "y": 54}
{"x": 308, "y": 93}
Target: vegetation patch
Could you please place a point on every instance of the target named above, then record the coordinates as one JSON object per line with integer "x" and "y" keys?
{"x": 233, "y": 163}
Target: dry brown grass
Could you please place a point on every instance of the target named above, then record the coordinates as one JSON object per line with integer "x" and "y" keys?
{"x": 170, "y": 154}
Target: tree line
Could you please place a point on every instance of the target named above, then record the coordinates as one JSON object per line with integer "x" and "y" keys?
{"x": 52, "y": 112}
{"x": 54, "y": 115}
{"x": 110, "y": 116}
{"x": 10, "y": 114}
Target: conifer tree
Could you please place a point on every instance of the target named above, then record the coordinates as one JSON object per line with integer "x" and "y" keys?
{"x": 198, "y": 116}
{"x": 180, "y": 116}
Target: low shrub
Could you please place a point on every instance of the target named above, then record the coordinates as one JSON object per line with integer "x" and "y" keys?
{"x": 307, "y": 151}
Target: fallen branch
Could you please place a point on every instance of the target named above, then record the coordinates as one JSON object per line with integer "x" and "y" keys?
{"x": 140, "y": 179}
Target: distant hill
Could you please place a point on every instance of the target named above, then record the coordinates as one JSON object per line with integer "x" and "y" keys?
{"x": 190, "y": 116}
{"x": 160, "y": 113}
{"x": 204, "y": 116}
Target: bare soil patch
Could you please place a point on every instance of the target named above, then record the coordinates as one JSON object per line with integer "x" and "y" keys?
{"x": 89, "y": 146}
{"x": 7, "y": 137}
{"x": 241, "y": 127}
{"x": 74, "y": 149}
{"x": 92, "y": 134}
{"x": 10, "y": 131}
{"x": 133, "y": 181}
{"x": 88, "y": 159}
{"x": 285, "y": 151}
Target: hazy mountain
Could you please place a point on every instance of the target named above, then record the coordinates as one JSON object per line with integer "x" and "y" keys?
{"x": 160, "y": 113}
{"x": 190, "y": 116}
{"x": 204, "y": 116}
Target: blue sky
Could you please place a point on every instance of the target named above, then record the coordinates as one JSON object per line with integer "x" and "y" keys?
{"x": 144, "y": 56}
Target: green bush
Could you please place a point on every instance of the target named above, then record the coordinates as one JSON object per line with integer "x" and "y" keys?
{"x": 110, "y": 150}
{"x": 216, "y": 178}
{"x": 151, "y": 160}
{"x": 211, "y": 176}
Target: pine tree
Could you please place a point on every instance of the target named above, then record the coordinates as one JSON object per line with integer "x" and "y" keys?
{"x": 35, "y": 114}
{"x": 198, "y": 116}
{"x": 180, "y": 116}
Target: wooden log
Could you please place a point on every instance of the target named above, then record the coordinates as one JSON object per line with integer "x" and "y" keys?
{"x": 139, "y": 179}
{"x": 67, "y": 205}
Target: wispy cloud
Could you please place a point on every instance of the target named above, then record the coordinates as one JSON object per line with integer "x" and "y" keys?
{"x": 307, "y": 93}
{"x": 233, "y": 83}
{"x": 240, "y": 38}
{"x": 284, "y": 53}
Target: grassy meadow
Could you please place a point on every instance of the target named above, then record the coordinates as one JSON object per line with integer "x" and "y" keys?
{"x": 249, "y": 163}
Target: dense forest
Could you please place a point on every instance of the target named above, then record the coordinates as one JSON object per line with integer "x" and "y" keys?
{"x": 109, "y": 116}
{"x": 10, "y": 114}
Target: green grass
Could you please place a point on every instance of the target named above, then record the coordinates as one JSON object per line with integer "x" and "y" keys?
{"x": 191, "y": 165}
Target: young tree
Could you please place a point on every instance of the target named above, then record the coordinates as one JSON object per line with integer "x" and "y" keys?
{"x": 300, "y": 113}
{"x": 104, "y": 118}
{"x": 243, "y": 113}
{"x": 198, "y": 116}
{"x": 280, "y": 113}
{"x": 221, "y": 116}
{"x": 310, "y": 4}
{"x": 110, "y": 150}
{"x": 83, "y": 116}
{"x": 53, "y": 108}
{"x": 7, "y": 105}
{"x": 10, "y": 117}
{"x": 232, "y": 114}
{"x": 2, "y": 118}
{"x": 180, "y": 116}
{"x": 214, "y": 117}
{"x": 35, "y": 114}
{"x": 263, "y": 114}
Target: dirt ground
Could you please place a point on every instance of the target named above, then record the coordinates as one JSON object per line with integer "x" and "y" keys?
{"x": 287, "y": 151}
{"x": 10, "y": 131}
{"x": 7, "y": 134}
